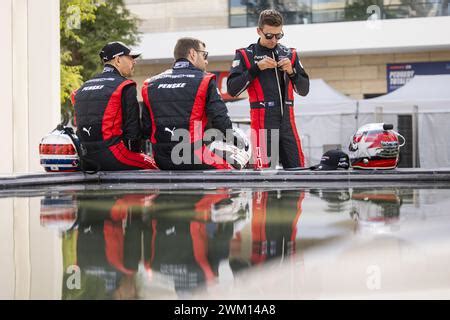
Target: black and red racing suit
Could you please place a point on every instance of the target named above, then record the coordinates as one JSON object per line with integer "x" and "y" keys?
{"x": 271, "y": 102}
{"x": 181, "y": 241}
{"x": 107, "y": 117}
{"x": 184, "y": 98}
{"x": 274, "y": 223}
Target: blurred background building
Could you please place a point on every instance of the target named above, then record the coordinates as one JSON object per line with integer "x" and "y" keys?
{"x": 361, "y": 48}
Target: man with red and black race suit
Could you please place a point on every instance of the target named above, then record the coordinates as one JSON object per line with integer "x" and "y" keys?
{"x": 107, "y": 115}
{"x": 183, "y": 243}
{"x": 105, "y": 245}
{"x": 184, "y": 99}
{"x": 270, "y": 72}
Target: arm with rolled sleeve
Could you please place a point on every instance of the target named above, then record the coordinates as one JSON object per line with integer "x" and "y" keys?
{"x": 240, "y": 78}
{"x": 300, "y": 79}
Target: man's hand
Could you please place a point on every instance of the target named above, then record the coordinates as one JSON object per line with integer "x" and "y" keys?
{"x": 266, "y": 63}
{"x": 133, "y": 145}
{"x": 285, "y": 65}
{"x": 240, "y": 139}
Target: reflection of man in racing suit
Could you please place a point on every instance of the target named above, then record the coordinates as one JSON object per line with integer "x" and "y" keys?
{"x": 274, "y": 220}
{"x": 105, "y": 245}
{"x": 182, "y": 243}
{"x": 270, "y": 72}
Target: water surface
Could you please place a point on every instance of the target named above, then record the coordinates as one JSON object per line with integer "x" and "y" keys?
{"x": 96, "y": 242}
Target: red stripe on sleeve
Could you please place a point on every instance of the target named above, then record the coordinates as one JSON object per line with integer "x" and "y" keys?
{"x": 198, "y": 120}
{"x": 294, "y": 55}
{"x": 255, "y": 90}
{"x": 130, "y": 158}
{"x": 149, "y": 107}
{"x": 112, "y": 119}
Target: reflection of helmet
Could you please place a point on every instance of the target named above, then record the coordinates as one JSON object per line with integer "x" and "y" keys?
{"x": 376, "y": 208}
{"x": 58, "y": 213}
{"x": 58, "y": 151}
{"x": 375, "y": 146}
{"x": 231, "y": 209}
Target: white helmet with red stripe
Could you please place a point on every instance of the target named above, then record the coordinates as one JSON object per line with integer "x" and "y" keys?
{"x": 376, "y": 210}
{"x": 59, "y": 212}
{"x": 375, "y": 146}
{"x": 58, "y": 150}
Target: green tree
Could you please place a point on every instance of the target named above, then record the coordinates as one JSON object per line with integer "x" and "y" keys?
{"x": 72, "y": 14}
{"x": 99, "y": 22}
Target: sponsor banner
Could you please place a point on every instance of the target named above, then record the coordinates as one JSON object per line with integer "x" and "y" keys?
{"x": 398, "y": 74}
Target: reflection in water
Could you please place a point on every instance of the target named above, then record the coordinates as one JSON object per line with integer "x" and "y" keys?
{"x": 182, "y": 237}
{"x": 178, "y": 239}
{"x": 376, "y": 209}
{"x": 336, "y": 200}
{"x": 273, "y": 228}
{"x": 188, "y": 237}
{"x": 176, "y": 244}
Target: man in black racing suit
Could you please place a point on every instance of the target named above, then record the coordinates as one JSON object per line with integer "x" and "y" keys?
{"x": 270, "y": 72}
{"x": 184, "y": 100}
{"x": 107, "y": 115}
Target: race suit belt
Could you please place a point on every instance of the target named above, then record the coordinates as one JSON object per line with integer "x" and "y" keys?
{"x": 268, "y": 104}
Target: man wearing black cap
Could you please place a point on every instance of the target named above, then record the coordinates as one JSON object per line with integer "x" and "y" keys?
{"x": 107, "y": 114}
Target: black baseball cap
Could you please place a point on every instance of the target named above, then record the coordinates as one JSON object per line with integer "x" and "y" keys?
{"x": 333, "y": 160}
{"x": 117, "y": 48}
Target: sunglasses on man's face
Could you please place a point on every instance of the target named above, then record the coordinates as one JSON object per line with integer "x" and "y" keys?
{"x": 269, "y": 36}
{"x": 205, "y": 53}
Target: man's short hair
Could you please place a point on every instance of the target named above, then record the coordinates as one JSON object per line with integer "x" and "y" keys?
{"x": 270, "y": 17}
{"x": 184, "y": 45}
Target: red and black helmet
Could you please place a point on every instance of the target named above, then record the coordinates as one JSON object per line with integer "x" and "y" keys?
{"x": 375, "y": 146}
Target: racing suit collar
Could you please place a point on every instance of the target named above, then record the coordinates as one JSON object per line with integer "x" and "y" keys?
{"x": 183, "y": 63}
{"x": 110, "y": 68}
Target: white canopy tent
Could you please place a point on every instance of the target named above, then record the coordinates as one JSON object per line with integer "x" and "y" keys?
{"x": 325, "y": 119}
{"x": 427, "y": 100}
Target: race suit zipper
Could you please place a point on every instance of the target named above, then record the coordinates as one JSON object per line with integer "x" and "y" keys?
{"x": 278, "y": 85}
